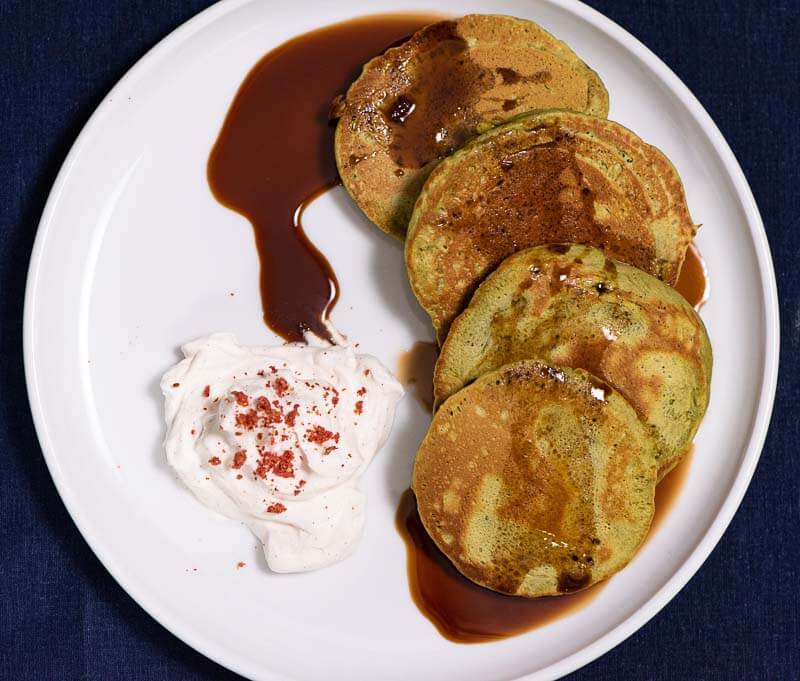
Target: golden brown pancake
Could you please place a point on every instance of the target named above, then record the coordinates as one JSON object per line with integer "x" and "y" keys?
{"x": 549, "y": 177}
{"x": 416, "y": 103}
{"x": 572, "y": 306}
{"x": 536, "y": 480}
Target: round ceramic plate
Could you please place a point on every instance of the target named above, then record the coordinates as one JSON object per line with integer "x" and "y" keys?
{"x": 135, "y": 257}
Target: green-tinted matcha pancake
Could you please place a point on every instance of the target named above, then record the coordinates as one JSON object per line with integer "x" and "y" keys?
{"x": 419, "y": 101}
{"x": 549, "y": 177}
{"x": 536, "y": 480}
{"x": 576, "y": 308}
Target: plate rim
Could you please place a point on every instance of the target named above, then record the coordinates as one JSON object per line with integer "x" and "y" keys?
{"x": 752, "y": 452}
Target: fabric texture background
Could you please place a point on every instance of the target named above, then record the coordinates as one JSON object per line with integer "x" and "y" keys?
{"x": 63, "y": 617}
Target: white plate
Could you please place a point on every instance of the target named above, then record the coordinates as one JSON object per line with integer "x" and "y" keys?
{"x": 134, "y": 257}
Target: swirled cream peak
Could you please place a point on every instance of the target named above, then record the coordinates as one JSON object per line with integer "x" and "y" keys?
{"x": 277, "y": 437}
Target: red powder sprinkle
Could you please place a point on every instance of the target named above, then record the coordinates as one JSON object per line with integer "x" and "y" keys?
{"x": 280, "y": 465}
{"x": 284, "y": 467}
{"x": 261, "y": 373}
{"x": 176, "y": 385}
{"x": 361, "y": 391}
{"x": 273, "y": 369}
{"x": 193, "y": 431}
{"x": 367, "y": 372}
{"x": 281, "y": 386}
{"x": 215, "y": 461}
{"x": 239, "y": 458}
{"x": 247, "y": 420}
{"x": 262, "y": 416}
{"x": 270, "y": 415}
{"x": 319, "y": 435}
{"x": 240, "y": 565}
{"x": 291, "y": 417}
{"x": 276, "y": 508}
{"x": 241, "y": 399}
{"x": 207, "y": 391}
{"x": 239, "y": 477}
{"x": 359, "y": 408}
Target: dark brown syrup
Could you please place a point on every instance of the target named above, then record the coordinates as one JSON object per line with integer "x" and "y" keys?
{"x": 435, "y": 114}
{"x": 669, "y": 489}
{"x": 693, "y": 280}
{"x": 415, "y": 370}
{"x": 462, "y": 611}
{"x": 274, "y": 155}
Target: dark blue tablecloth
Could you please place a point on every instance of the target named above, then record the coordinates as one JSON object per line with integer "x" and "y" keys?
{"x": 63, "y": 617}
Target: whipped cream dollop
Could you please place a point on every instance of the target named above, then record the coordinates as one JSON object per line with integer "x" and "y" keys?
{"x": 277, "y": 437}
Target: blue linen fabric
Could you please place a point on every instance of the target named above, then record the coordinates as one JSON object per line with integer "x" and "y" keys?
{"x": 63, "y": 617}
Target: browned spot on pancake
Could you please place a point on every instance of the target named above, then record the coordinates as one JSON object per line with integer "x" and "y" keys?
{"x": 509, "y": 76}
{"x": 572, "y": 581}
{"x": 512, "y": 77}
{"x": 615, "y": 497}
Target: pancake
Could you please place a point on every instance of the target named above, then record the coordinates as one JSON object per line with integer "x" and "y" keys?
{"x": 419, "y": 101}
{"x": 536, "y": 480}
{"x": 548, "y": 177}
{"x": 574, "y": 307}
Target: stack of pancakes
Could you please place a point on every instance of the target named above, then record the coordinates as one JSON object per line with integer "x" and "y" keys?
{"x": 543, "y": 240}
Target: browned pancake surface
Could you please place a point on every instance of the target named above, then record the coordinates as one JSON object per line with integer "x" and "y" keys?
{"x": 575, "y": 307}
{"x": 415, "y": 104}
{"x": 536, "y": 480}
{"x": 544, "y": 178}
